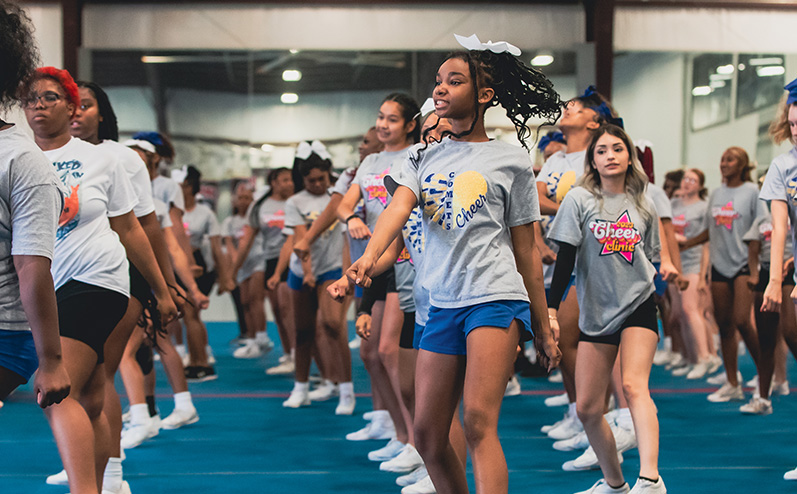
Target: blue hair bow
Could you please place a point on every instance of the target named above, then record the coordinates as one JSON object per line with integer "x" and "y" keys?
{"x": 152, "y": 137}
{"x": 590, "y": 91}
{"x": 549, "y": 138}
{"x": 792, "y": 89}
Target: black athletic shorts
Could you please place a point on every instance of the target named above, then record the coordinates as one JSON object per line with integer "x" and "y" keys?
{"x": 208, "y": 279}
{"x": 407, "y": 331}
{"x": 89, "y": 314}
{"x": 271, "y": 268}
{"x": 383, "y": 284}
{"x": 643, "y": 317}
{"x": 716, "y": 276}
{"x": 139, "y": 288}
{"x": 763, "y": 280}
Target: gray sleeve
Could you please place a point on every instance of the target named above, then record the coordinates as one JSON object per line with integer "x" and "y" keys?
{"x": 213, "y": 224}
{"x": 523, "y": 205}
{"x": 226, "y": 227}
{"x": 660, "y": 201}
{"x": 176, "y": 195}
{"x": 34, "y": 219}
{"x": 292, "y": 216}
{"x": 408, "y": 177}
{"x": 566, "y": 225}
{"x": 774, "y": 188}
{"x": 652, "y": 239}
{"x": 752, "y": 234}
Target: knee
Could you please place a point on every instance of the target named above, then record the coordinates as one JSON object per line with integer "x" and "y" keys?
{"x": 635, "y": 390}
{"x": 387, "y": 351}
{"x": 478, "y": 423}
{"x": 92, "y": 403}
{"x": 589, "y": 412}
{"x": 429, "y": 440}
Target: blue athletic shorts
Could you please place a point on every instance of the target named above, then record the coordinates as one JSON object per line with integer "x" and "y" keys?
{"x": 416, "y": 339}
{"x": 658, "y": 281}
{"x": 296, "y": 282}
{"x": 447, "y": 330}
{"x": 17, "y": 352}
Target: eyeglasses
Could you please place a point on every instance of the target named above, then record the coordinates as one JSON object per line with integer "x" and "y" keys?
{"x": 48, "y": 99}
{"x": 690, "y": 180}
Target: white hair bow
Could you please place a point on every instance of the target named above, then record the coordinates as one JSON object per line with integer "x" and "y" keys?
{"x": 305, "y": 149}
{"x": 472, "y": 43}
{"x": 428, "y": 106}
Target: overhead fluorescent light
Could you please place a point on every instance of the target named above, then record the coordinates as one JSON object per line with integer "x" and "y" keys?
{"x": 726, "y": 69}
{"x": 293, "y": 51}
{"x": 542, "y": 60}
{"x": 289, "y": 98}
{"x": 757, "y": 62}
{"x": 157, "y": 59}
{"x": 291, "y": 75}
{"x": 742, "y": 67}
{"x": 717, "y": 84}
{"x": 770, "y": 71}
{"x": 267, "y": 148}
{"x": 720, "y": 77}
{"x": 701, "y": 91}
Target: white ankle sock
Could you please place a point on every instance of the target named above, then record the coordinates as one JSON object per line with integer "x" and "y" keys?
{"x": 301, "y": 387}
{"x": 346, "y": 389}
{"x": 571, "y": 409}
{"x": 112, "y": 478}
{"x": 139, "y": 414}
{"x": 183, "y": 401}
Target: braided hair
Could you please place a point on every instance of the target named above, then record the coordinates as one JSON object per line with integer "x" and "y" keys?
{"x": 19, "y": 55}
{"x": 524, "y": 92}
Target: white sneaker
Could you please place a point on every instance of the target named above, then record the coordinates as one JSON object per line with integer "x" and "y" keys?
{"x": 567, "y": 429}
{"x": 547, "y": 428}
{"x": 406, "y": 461}
{"x": 727, "y": 393}
{"x": 124, "y": 488}
{"x": 757, "y": 406}
{"x": 682, "y": 370}
{"x": 555, "y": 377}
{"x": 601, "y": 487}
{"x": 59, "y": 478}
{"x": 387, "y": 452}
{"x": 297, "y": 399}
{"x": 512, "y": 387}
{"x": 354, "y": 344}
{"x": 286, "y": 367}
{"x": 179, "y": 418}
{"x": 587, "y": 461}
{"x": 662, "y": 357}
{"x": 699, "y": 370}
{"x": 579, "y": 441}
{"x": 677, "y": 360}
{"x": 790, "y": 475}
{"x": 324, "y": 391}
{"x": 346, "y": 405}
{"x": 752, "y": 383}
{"x": 264, "y": 342}
{"x": 557, "y": 401}
{"x": 250, "y": 350}
{"x": 715, "y": 363}
{"x": 211, "y": 357}
{"x": 644, "y": 486}
{"x": 183, "y": 353}
{"x": 135, "y": 434}
{"x": 372, "y": 432}
{"x": 413, "y": 477}
{"x": 624, "y": 439}
{"x": 423, "y": 486}
{"x": 781, "y": 389}
{"x": 126, "y": 417}
{"x": 721, "y": 378}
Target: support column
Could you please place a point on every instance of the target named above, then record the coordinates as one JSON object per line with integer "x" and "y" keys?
{"x": 600, "y": 30}
{"x": 72, "y": 14}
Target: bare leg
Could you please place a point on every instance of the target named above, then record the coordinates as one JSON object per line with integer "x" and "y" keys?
{"x": 132, "y": 376}
{"x": 304, "y": 322}
{"x": 388, "y": 353}
{"x": 197, "y": 336}
{"x": 380, "y": 378}
{"x": 768, "y": 336}
{"x": 281, "y": 307}
{"x": 331, "y": 319}
{"x": 742, "y": 315}
{"x": 722, "y": 296}
{"x": 172, "y": 364}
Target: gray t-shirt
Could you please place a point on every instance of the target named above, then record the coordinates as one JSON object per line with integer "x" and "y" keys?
{"x": 614, "y": 274}
{"x": 200, "y": 223}
{"x": 761, "y": 231}
{"x": 731, "y": 212}
{"x": 780, "y": 184}
{"x": 559, "y": 174}
{"x": 269, "y": 220}
{"x": 234, "y": 227}
{"x": 661, "y": 203}
{"x": 168, "y": 191}
{"x": 30, "y": 204}
{"x": 326, "y": 252}
{"x": 472, "y": 193}
{"x": 370, "y": 178}
{"x": 690, "y": 220}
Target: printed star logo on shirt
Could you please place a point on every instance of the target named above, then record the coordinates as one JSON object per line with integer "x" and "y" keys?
{"x": 679, "y": 223}
{"x": 277, "y": 220}
{"x": 374, "y": 186}
{"x": 617, "y": 237}
{"x": 453, "y": 201}
{"x": 765, "y": 229}
{"x": 725, "y": 215}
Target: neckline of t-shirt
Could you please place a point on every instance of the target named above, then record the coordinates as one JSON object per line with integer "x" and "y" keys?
{"x": 70, "y": 141}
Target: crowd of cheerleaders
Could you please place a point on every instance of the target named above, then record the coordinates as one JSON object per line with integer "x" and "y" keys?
{"x": 446, "y": 239}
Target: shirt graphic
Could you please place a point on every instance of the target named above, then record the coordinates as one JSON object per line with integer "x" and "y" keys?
{"x": 725, "y": 215}
{"x": 791, "y": 190}
{"x": 765, "y": 229}
{"x": 453, "y": 201}
{"x": 559, "y": 184}
{"x": 413, "y": 234}
{"x": 618, "y": 237}
{"x": 374, "y": 186}
{"x": 276, "y": 220}
{"x": 71, "y": 175}
{"x": 679, "y": 223}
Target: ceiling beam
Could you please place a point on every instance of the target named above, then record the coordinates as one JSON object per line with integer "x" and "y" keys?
{"x": 711, "y": 4}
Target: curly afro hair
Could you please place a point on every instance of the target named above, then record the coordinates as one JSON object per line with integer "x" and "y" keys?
{"x": 19, "y": 55}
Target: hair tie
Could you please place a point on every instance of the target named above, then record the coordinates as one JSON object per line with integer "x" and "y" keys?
{"x": 472, "y": 43}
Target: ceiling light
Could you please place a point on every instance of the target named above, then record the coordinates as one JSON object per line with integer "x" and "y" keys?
{"x": 542, "y": 60}
{"x": 720, "y": 77}
{"x": 725, "y": 69}
{"x": 701, "y": 91}
{"x": 156, "y": 59}
{"x": 289, "y": 98}
{"x": 770, "y": 71}
{"x": 267, "y": 148}
{"x": 717, "y": 84}
{"x": 742, "y": 67}
{"x": 291, "y": 75}
{"x": 293, "y": 51}
{"x": 757, "y": 62}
